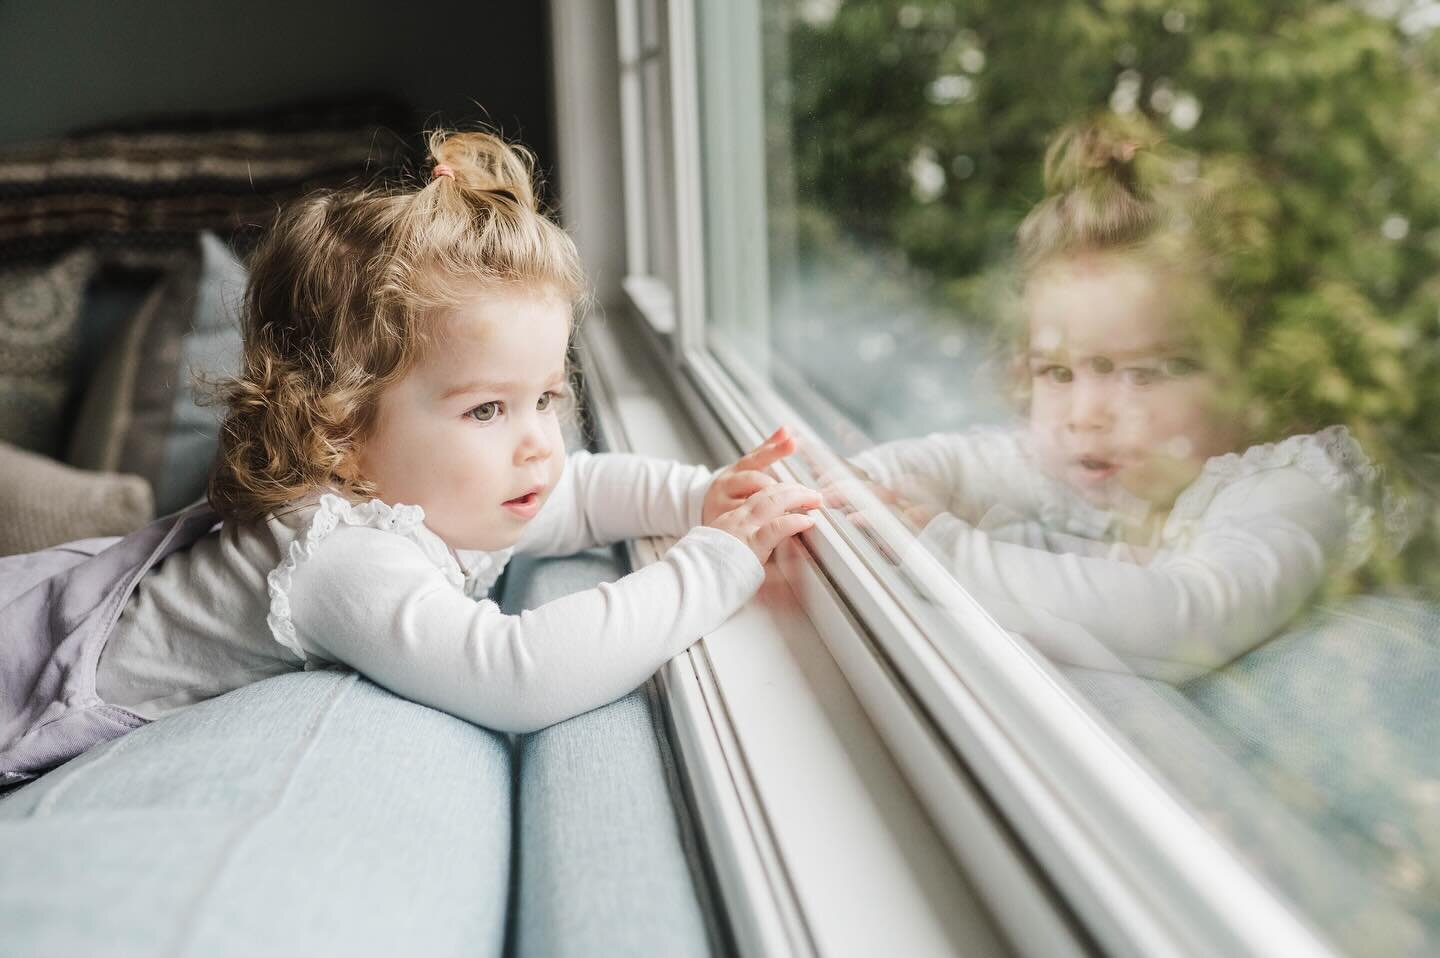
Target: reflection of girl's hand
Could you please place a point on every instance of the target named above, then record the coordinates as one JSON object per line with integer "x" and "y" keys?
{"x": 770, "y": 516}
{"x": 737, "y": 483}
{"x": 846, "y": 495}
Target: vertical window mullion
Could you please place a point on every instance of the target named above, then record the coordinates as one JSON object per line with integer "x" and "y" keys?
{"x": 633, "y": 138}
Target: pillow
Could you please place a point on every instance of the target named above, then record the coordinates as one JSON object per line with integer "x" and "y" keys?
{"x": 208, "y": 353}
{"x": 44, "y": 503}
{"x": 140, "y": 413}
{"x": 39, "y": 312}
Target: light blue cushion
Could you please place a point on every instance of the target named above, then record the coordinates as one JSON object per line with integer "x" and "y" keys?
{"x": 312, "y": 813}
{"x": 602, "y": 867}
{"x": 211, "y": 349}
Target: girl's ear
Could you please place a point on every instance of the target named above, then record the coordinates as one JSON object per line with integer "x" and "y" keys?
{"x": 348, "y": 470}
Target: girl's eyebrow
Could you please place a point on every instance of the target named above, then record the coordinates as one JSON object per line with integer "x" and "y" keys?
{"x": 477, "y": 386}
{"x": 495, "y": 385}
{"x": 1159, "y": 349}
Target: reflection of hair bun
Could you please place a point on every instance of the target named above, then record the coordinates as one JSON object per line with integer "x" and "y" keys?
{"x": 1108, "y": 150}
{"x": 483, "y": 163}
{"x": 1108, "y": 185}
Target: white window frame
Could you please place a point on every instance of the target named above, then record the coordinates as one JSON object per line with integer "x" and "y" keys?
{"x": 1072, "y": 842}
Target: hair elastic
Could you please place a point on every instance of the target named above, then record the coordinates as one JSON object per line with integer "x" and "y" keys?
{"x": 441, "y": 170}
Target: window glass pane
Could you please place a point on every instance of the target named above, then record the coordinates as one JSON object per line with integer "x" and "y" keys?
{"x": 1130, "y": 314}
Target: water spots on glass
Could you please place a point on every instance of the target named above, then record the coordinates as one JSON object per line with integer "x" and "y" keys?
{"x": 963, "y": 166}
{"x": 1185, "y": 112}
{"x": 1422, "y": 17}
{"x": 819, "y": 13}
{"x": 927, "y": 176}
{"x": 1406, "y": 872}
{"x": 951, "y": 88}
{"x": 1162, "y": 96}
{"x": 1126, "y": 95}
{"x": 1179, "y": 447}
{"x": 972, "y": 59}
{"x": 910, "y": 16}
{"x": 1174, "y": 21}
{"x": 1395, "y": 227}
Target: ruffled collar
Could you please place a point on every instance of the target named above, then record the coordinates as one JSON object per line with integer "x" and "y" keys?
{"x": 1331, "y": 456}
{"x": 332, "y": 511}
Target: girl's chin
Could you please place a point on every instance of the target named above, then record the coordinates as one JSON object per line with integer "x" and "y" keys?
{"x": 472, "y": 541}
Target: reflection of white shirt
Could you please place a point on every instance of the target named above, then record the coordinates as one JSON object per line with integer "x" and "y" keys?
{"x": 370, "y": 587}
{"x": 1245, "y": 545}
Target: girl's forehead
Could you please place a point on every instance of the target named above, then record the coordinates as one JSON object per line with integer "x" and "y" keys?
{"x": 499, "y": 312}
{"x": 505, "y": 333}
{"x": 1102, "y": 306}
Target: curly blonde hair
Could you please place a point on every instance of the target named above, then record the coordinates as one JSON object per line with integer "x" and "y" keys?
{"x": 339, "y": 305}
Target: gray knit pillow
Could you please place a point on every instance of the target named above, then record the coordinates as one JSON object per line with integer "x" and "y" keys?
{"x": 44, "y": 503}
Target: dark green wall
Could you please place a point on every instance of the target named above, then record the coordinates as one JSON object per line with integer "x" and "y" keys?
{"x": 75, "y": 63}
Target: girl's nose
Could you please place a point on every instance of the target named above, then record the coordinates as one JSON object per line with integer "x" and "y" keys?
{"x": 1090, "y": 406}
{"x": 534, "y": 446}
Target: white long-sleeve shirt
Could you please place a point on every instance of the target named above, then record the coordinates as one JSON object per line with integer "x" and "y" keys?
{"x": 368, "y": 586}
{"x": 1243, "y": 548}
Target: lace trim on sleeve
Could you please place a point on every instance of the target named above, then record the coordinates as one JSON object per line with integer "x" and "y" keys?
{"x": 332, "y": 513}
{"x": 1331, "y": 457}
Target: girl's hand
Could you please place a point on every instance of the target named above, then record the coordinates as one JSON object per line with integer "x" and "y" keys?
{"x": 769, "y": 516}
{"x": 735, "y": 484}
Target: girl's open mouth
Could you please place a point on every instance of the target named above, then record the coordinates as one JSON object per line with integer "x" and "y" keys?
{"x": 1097, "y": 468}
{"x": 524, "y": 506}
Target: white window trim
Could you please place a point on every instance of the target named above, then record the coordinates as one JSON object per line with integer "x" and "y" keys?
{"x": 781, "y": 757}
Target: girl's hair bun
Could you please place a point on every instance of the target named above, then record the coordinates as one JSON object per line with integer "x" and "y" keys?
{"x": 484, "y": 163}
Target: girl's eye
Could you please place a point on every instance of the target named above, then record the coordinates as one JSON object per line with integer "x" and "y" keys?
{"x": 485, "y": 412}
{"x": 1056, "y": 374}
{"x": 1177, "y": 366}
{"x": 1140, "y": 375}
{"x": 547, "y": 400}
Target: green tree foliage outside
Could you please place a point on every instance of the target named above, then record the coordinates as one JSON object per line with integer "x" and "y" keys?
{"x": 920, "y": 126}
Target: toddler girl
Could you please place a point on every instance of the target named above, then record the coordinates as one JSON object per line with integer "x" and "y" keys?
{"x": 1130, "y": 516}
{"x": 394, "y": 438}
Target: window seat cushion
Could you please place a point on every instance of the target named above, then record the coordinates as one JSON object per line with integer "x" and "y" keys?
{"x": 312, "y": 813}
{"x": 601, "y": 850}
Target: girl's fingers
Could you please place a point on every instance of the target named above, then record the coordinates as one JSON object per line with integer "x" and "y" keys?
{"x": 742, "y": 485}
{"x": 776, "y": 500}
{"x": 772, "y": 450}
{"x": 776, "y": 531}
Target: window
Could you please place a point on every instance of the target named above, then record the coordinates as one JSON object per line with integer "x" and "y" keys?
{"x": 1138, "y": 512}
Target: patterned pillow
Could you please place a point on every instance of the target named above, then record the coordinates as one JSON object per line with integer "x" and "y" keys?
{"x": 39, "y": 312}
